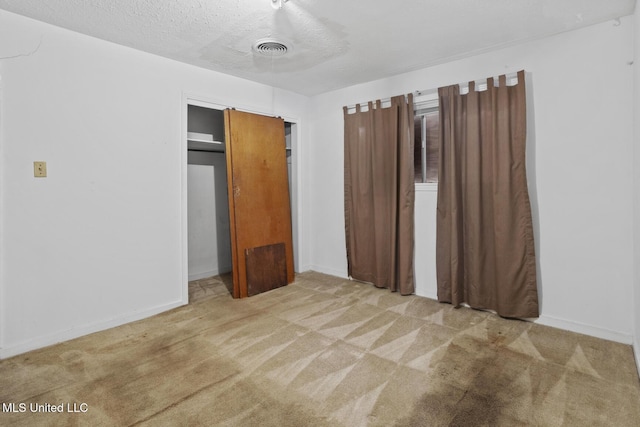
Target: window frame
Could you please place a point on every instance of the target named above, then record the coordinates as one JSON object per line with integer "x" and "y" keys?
{"x": 420, "y": 109}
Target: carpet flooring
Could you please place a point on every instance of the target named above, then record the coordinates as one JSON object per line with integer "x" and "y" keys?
{"x": 323, "y": 351}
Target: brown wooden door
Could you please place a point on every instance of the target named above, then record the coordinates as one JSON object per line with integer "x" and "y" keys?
{"x": 259, "y": 206}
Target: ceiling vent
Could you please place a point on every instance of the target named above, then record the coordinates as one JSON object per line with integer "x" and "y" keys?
{"x": 270, "y": 47}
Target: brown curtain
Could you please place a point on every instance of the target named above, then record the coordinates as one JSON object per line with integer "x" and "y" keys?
{"x": 485, "y": 249}
{"x": 379, "y": 194}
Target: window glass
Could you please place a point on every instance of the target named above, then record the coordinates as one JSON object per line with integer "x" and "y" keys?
{"x": 427, "y": 144}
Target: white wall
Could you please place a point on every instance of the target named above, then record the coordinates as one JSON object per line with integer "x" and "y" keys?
{"x": 636, "y": 186}
{"x": 101, "y": 240}
{"x": 580, "y": 169}
{"x": 208, "y": 215}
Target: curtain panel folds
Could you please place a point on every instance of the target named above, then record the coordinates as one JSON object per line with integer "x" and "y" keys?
{"x": 485, "y": 249}
{"x": 379, "y": 194}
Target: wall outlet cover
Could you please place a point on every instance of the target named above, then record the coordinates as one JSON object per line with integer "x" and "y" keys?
{"x": 40, "y": 169}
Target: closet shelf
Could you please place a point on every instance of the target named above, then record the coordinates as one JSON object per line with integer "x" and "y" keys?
{"x": 202, "y": 137}
{"x": 204, "y": 140}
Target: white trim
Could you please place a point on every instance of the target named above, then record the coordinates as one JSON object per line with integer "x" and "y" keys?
{"x": 208, "y": 102}
{"x": 205, "y": 104}
{"x": 3, "y": 320}
{"x": 296, "y": 193}
{"x": 582, "y": 328}
{"x": 304, "y": 268}
{"x": 427, "y": 187}
{"x": 636, "y": 353}
{"x": 206, "y": 274}
{"x": 426, "y": 102}
{"x": 184, "y": 231}
{"x": 428, "y": 295}
{"x": 329, "y": 271}
{"x": 300, "y": 192}
{"x": 76, "y": 332}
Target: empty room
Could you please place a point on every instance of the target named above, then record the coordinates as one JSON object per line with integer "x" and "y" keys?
{"x": 320, "y": 213}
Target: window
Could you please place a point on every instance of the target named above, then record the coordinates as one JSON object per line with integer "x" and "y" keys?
{"x": 427, "y": 142}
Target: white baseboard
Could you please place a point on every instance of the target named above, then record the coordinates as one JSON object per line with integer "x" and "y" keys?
{"x": 330, "y": 271}
{"x": 636, "y": 353}
{"x": 581, "y": 328}
{"x": 76, "y": 332}
{"x": 204, "y": 275}
{"x": 426, "y": 294}
{"x": 303, "y": 268}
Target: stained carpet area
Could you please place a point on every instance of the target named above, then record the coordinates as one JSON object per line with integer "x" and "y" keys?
{"x": 325, "y": 351}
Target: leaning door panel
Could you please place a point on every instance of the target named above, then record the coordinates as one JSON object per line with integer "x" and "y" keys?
{"x": 259, "y": 204}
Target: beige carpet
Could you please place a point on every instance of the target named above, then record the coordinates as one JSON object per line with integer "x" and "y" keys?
{"x": 328, "y": 352}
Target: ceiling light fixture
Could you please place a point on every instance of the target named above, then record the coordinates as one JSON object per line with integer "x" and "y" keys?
{"x": 277, "y": 4}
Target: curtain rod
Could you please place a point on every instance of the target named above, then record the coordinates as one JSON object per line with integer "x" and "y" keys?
{"x": 479, "y": 83}
{"x": 427, "y": 93}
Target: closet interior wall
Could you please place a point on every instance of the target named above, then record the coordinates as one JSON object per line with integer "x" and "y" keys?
{"x": 207, "y": 203}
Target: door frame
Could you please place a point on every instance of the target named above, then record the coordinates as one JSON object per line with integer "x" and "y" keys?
{"x": 296, "y": 193}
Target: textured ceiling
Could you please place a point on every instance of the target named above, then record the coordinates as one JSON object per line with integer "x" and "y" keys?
{"x": 333, "y": 43}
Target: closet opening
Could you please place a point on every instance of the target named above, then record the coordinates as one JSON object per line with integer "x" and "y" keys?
{"x": 209, "y": 246}
{"x": 209, "y": 228}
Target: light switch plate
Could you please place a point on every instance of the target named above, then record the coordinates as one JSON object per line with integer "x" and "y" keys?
{"x": 40, "y": 169}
